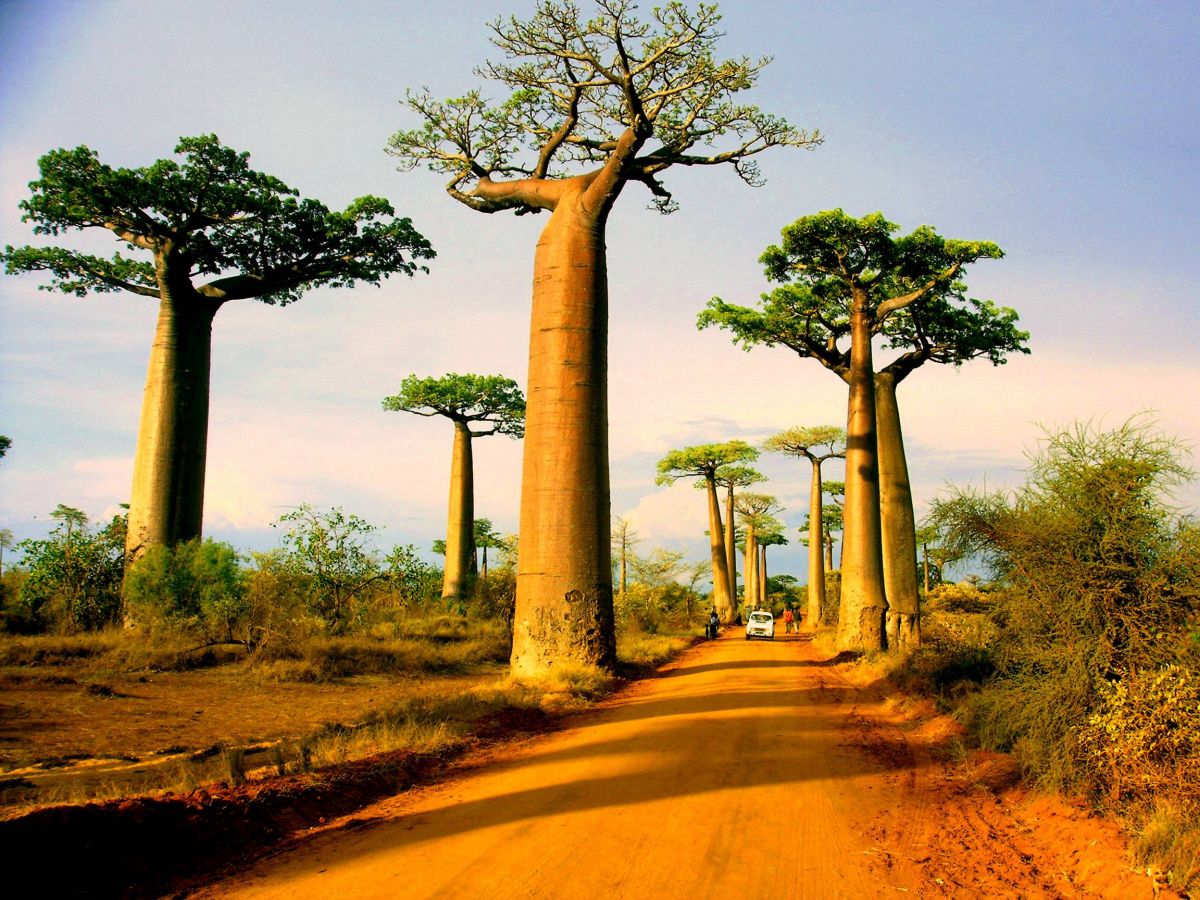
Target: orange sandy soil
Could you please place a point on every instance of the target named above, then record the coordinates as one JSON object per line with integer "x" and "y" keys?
{"x": 743, "y": 770}
{"x": 66, "y": 729}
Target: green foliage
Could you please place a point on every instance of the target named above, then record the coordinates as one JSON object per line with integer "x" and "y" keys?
{"x": 702, "y": 460}
{"x": 1100, "y": 591}
{"x": 1143, "y": 739}
{"x": 218, "y": 216}
{"x": 196, "y": 586}
{"x": 492, "y": 400}
{"x": 327, "y": 560}
{"x": 74, "y": 580}
{"x": 915, "y": 298}
{"x": 809, "y": 442}
{"x": 330, "y": 551}
{"x": 5, "y": 444}
{"x": 578, "y": 84}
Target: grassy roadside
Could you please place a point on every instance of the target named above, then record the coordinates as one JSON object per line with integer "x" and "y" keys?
{"x": 429, "y": 687}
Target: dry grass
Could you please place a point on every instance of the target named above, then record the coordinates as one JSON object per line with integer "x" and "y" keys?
{"x": 433, "y": 683}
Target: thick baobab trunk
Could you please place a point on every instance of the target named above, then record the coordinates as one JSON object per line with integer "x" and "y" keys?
{"x": 460, "y": 519}
{"x": 816, "y": 540}
{"x": 731, "y": 546}
{"x": 762, "y": 577}
{"x": 723, "y": 598}
{"x": 166, "y": 503}
{"x": 860, "y": 623}
{"x": 898, "y": 522}
{"x": 564, "y": 606}
{"x": 750, "y": 591}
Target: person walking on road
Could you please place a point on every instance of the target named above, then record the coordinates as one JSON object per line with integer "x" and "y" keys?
{"x": 788, "y": 619}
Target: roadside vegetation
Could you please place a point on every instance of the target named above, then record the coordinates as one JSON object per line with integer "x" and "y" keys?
{"x": 1082, "y": 657}
{"x": 234, "y": 634}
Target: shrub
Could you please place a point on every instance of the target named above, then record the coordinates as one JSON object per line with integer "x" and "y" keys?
{"x": 196, "y": 586}
{"x": 1143, "y": 739}
{"x": 1100, "y": 578}
{"x": 74, "y": 576}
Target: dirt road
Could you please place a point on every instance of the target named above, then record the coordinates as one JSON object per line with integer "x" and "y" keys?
{"x": 747, "y": 770}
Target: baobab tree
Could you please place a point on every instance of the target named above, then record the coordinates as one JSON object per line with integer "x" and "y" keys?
{"x": 208, "y": 217}
{"x": 816, "y": 444}
{"x": 492, "y": 404}
{"x": 703, "y": 461}
{"x": 485, "y": 537}
{"x": 769, "y": 535}
{"x": 596, "y": 104}
{"x": 6, "y": 541}
{"x": 731, "y": 478}
{"x": 848, "y": 279}
{"x": 757, "y": 514}
{"x": 624, "y": 538}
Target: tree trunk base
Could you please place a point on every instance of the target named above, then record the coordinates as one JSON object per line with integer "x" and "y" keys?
{"x": 903, "y": 631}
{"x": 862, "y": 636}
{"x": 582, "y": 634}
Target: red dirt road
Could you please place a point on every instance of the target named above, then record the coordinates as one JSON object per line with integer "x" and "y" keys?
{"x": 746, "y": 770}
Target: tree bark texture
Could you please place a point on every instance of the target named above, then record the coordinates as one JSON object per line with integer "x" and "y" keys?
{"x": 460, "y": 518}
{"x": 898, "y": 522}
{"x": 816, "y": 541}
{"x": 863, "y": 603}
{"x": 564, "y": 605}
{"x": 762, "y": 577}
{"x": 166, "y": 502}
{"x": 723, "y": 599}
{"x": 731, "y": 547}
{"x": 751, "y": 591}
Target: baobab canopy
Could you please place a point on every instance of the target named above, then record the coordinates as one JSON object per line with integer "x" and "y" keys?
{"x": 584, "y": 90}
{"x": 210, "y": 215}
{"x": 215, "y": 230}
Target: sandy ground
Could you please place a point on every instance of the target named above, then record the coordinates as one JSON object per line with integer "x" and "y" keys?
{"x": 746, "y": 770}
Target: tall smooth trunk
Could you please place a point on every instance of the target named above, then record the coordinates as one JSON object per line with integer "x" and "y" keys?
{"x": 860, "y": 622}
{"x": 624, "y": 568}
{"x": 564, "y": 604}
{"x": 762, "y": 576}
{"x": 828, "y": 552}
{"x": 460, "y": 518}
{"x": 816, "y": 541}
{"x": 731, "y": 546}
{"x": 898, "y": 522}
{"x": 723, "y": 598}
{"x": 166, "y": 502}
{"x": 751, "y": 591}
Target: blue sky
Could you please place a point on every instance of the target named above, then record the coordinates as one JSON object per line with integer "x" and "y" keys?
{"x": 1065, "y": 132}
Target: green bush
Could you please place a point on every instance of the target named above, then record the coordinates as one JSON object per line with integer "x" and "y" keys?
{"x": 197, "y": 586}
{"x": 1096, "y": 680}
{"x": 74, "y": 575}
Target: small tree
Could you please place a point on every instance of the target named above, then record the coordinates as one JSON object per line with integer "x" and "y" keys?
{"x": 494, "y": 405}
{"x": 74, "y": 581}
{"x": 210, "y": 217}
{"x": 703, "y": 461}
{"x": 816, "y": 444}
{"x": 331, "y": 551}
{"x": 596, "y": 104}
